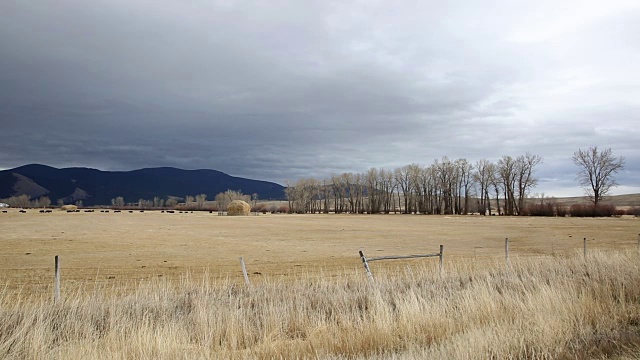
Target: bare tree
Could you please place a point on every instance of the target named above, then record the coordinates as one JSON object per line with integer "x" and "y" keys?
{"x": 45, "y": 201}
{"x": 482, "y": 177}
{"x": 21, "y": 201}
{"x": 200, "y": 200}
{"x": 118, "y": 202}
{"x": 171, "y": 202}
{"x": 403, "y": 180}
{"x": 507, "y": 172}
{"x": 465, "y": 182}
{"x": 525, "y": 168}
{"x": 596, "y": 171}
{"x": 494, "y": 180}
{"x": 225, "y": 198}
{"x": 254, "y": 197}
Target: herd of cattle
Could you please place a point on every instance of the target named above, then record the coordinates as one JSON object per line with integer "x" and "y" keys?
{"x": 106, "y": 211}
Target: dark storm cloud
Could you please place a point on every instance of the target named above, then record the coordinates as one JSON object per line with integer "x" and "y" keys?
{"x": 289, "y": 89}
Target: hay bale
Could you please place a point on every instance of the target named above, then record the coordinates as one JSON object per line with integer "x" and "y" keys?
{"x": 68, "y": 207}
{"x": 238, "y": 208}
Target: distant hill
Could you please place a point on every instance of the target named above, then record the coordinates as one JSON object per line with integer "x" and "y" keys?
{"x": 95, "y": 187}
{"x": 617, "y": 200}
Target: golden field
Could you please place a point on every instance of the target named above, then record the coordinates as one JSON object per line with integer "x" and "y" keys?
{"x": 111, "y": 247}
{"x": 169, "y": 286}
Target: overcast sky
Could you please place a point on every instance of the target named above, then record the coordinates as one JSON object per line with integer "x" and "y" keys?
{"x": 278, "y": 90}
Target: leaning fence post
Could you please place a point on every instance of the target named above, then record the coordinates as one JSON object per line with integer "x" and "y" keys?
{"x": 585, "y": 248}
{"x": 440, "y": 256}
{"x": 366, "y": 265}
{"x": 57, "y": 280}
{"x": 638, "y": 242}
{"x": 506, "y": 250}
{"x": 244, "y": 272}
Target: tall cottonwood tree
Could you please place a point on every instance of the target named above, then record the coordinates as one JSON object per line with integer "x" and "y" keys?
{"x": 445, "y": 187}
{"x": 117, "y": 202}
{"x": 482, "y": 177}
{"x": 525, "y": 166}
{"x": 201, "y": 200}
{"x": 596, "y": 171}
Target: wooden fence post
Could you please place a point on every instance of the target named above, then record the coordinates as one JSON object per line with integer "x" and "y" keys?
{"x": 366, "y": 265}
{"x": 506, "y": 250}
{"x": 585, "y": 247}
{"x": 244, "y": 272}
{"x": 440, "y": 256}
{"x": 638, "y": 242}
{"x": 57, "y": 280}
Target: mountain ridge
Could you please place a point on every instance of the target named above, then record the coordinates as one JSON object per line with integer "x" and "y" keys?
{"x": 98, "y": 187}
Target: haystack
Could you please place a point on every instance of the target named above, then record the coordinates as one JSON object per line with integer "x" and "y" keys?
{"x": 238, "y": 207}
{"x": 68, "y": 207}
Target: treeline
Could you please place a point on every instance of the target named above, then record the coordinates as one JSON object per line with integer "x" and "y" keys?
{"x": 189, "y": 202}
{"x": 446, "y": 186}
{"x": 25, "y": 201}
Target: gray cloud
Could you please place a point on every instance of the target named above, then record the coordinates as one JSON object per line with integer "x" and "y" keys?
{"x": 288, "y": 89}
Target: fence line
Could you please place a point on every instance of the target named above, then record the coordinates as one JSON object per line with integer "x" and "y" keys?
{"x": 506, "y": 250}
{"x": 56, "y": 293}
{"x": 366, "y": 261}
{"x": 244, "y": 272}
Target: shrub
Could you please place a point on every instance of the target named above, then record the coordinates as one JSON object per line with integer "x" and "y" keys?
{"x": 539, "y": 210}
{"x": 258, "y": 208}
{"x": 283, "y": 209}
{"x": 619, "y": 212}
{"x": 635, "y": 211}
{"x": 590, "y": 210}
{"x": 561, "y": 211}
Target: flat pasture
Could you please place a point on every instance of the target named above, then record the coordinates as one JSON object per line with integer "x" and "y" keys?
{"x": 132, "y": 247}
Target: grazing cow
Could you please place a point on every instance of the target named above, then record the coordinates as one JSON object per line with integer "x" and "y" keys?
{"x": 141, "y": 210}
{"x": 130, "y": 211}
{"x": 48, "y": 211}
{"x": 42, "y": 211}
{"x": 23, "y": 211}
{"x": 4, "y": 211}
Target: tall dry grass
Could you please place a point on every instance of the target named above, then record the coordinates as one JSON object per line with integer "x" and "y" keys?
{"x": 537, "y": 308}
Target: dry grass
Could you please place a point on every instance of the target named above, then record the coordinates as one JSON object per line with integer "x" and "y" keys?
{"x": 166, "y": 286}
{"x": 539, "y": 308}
{"x": 130, "y": 247}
